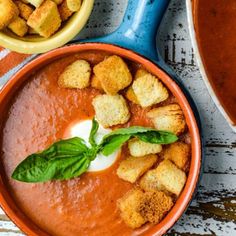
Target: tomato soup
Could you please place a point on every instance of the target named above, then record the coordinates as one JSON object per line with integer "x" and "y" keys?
{"x": 215, "y": 25}
{"x": 39, "y": 115}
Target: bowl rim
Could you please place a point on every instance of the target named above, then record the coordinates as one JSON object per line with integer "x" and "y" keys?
{"x": 195, "y": 166}
{"x": 63, "y": 36}
{"x": 190, "y": 4}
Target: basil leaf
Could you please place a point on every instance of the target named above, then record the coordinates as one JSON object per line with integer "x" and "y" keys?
{"x": 62, "y": 160}
{"x": 160, "y": 137}
{"x": 114, "y": 143}
{"x": 93, "y": 132}
{"x": 117, "y": 138}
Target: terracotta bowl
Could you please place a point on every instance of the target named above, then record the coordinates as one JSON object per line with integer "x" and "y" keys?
{"x": 36, "y": 44}
{"x": 7, "y": 202}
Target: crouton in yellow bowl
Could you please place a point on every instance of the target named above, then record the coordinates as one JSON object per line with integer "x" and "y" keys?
{"x": 31, "y": 44}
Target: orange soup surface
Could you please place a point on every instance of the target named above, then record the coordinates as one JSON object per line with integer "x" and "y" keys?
{"x": 38, "y": 116}
{"x": 215, "y": 24}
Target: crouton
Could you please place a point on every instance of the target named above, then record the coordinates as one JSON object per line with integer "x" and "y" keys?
{"x": 129, "y": 205}
{"x": 132, "y": 168}
{"x": 45, "y": 19}
{"x": 178, "y": 153}
{"x": 139, "y": 148}
{"x": 139, "y": 73}
{"x": 74, "y": 5}
{"x": 131, "y": 96}
{"x": 18, "y": 26}
{"x": 154, "y": 206}
{"x": 168, "y": 118}
{"x": 25, "y": 10}
{"x": 76, "y": 75}
{"x": 114, "y": 74}
{"x": 8, "y": 12}
{"x": 35, "y": 3}
{"x": 111, "y": 110}
{"x": 64, "y": 11}
{"x": 149, "y": 182}
{"x": 95, "y": 83}
{"x": 149, "y": 90}
{"x": 170, "y": 177}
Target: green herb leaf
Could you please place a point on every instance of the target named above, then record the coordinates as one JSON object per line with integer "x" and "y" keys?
{"x": 160, "y": 137}
{"x": 62, "y": 160}
{"x": 114, "y": 143}
{"x": 93, "y": 132}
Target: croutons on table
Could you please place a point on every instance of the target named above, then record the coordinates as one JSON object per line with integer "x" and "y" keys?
{"x": 76, "y": 75}
{"x": 45, "y": 19}
{"x": 148, "y": 89}
{"x": 129, "y": 206}
{"x": 8, "y": 12}
{"x": 179, "y": 153}
{"x": 168, "y": 118}
{"x": 132, "y": 168}
{"x": 111, "y": 110}
{"x": 139, "y": 148}
{"x": 113, "y": 74}
{"x": 155, "y": 206}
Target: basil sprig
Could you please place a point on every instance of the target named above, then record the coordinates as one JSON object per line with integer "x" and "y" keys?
{"x": 71, "y": 158}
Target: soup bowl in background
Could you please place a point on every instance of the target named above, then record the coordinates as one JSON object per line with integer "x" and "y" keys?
{"x": 193, "y": 22}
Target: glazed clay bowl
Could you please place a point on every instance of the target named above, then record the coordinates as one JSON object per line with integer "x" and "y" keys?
{"x": 36, "y": 44}
{"x": 130, "y": 35}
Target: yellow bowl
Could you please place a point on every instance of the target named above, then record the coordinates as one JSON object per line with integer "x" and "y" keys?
{"x": 36, "y": 44}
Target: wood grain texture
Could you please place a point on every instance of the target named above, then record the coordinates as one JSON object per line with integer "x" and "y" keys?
{"x": 213, "y": 211}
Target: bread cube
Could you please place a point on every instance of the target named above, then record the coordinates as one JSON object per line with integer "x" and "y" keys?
{"x": 95, "y": 83}
{"x": 130, "y": 95}
{"x": 113, "y": 74}
{"x": 154, "y": 206}
{"x": 111, "y": 110}
{"x": 45, "y": 19}
{"x": 64, "y": 11}
{"x": 139, "y": 148}
{"x": 149, "y": 90}
{"x": 25, "y": 10}
{"x": 8, "y": 12}
{"x": 74, "y": 5}
{"x": 168, "y": 118}
{"x": 18, "y": 26}
{"x": 35, "y": 3}
{"x": 140, "y": 73}
{"x": 170, "y": 177}
{"x": 76, "y": 75}
{"x": 132, "y": 168}
{"x": 150, "y": 182}
{"x": 178, "y": 153}
{"x": 129, "y": 205}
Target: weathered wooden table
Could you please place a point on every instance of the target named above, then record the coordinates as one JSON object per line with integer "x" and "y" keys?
{"x": 213, "y": 211}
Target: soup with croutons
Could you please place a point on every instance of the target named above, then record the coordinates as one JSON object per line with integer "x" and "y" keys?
{"x": 94, "y": 144}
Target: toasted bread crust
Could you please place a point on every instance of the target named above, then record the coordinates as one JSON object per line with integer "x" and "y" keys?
{"x": 76, "y": 75}
{"x": 132, "y": 168}
{"x": 18, "y": 26}
{"x": 113, "y": 74}
{"x": 8, "y": 12}
{"x": 111, "y": 110}
{"x": 168, "y": 118}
